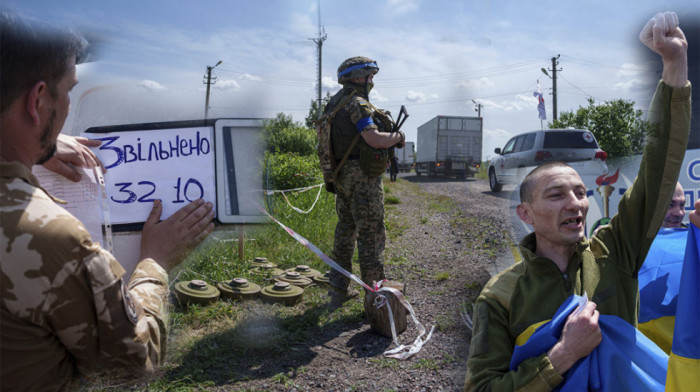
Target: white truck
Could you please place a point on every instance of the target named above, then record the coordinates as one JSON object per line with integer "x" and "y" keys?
{"x": 406, "y": 156}
{"x": 450, "y": 146}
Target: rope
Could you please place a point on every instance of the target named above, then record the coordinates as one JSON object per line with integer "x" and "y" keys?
{"x": 298, "y": 190}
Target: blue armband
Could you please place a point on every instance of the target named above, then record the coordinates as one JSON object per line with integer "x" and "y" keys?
{"x": 363, "y": 123}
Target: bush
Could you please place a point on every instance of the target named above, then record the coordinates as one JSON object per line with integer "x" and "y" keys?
{"x": 291, "y": 170}
{"x": 283, "y": 135}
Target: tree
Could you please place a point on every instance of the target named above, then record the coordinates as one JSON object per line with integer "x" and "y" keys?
{"x": 284, "y": 135}
{"x": 618, "y": 127}
{"x": 313, "y": 110}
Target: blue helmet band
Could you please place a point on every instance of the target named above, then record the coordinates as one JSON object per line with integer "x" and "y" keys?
{"x": 359, "y": 66}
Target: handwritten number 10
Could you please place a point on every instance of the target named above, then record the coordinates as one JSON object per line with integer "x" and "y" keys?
{"x": 185, "y": 188}
{"x": 150, "y": 188}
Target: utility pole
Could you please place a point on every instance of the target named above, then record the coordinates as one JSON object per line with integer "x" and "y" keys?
{"x": 319, "y": 44}
{"x": 209, "y": 81}
{"x": 554, "y": 84}
{"x": 477, "y": 108}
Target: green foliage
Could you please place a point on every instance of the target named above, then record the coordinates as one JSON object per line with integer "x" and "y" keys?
{"x": 313, "y": 109}
{"x": 618, "y": 128}
{"x": 291, "y": 170}
{"x": 283, "y": 135}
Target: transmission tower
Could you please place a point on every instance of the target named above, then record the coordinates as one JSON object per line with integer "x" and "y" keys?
{"x": 319, "y": 44}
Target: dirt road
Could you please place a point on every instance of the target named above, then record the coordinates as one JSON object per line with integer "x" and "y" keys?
{"x": 445, "y": 239}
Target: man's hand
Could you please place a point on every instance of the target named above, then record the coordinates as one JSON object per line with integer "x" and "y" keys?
{"x": 580, "y": 336}
{"x": 73, "y": 150}
{"x": 170, "y": 241}
{"x": 662, "y": 35}
{"x": 695, "y": 215}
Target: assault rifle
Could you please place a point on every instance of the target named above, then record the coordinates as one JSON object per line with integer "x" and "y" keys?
{"x": 400, "y": 119}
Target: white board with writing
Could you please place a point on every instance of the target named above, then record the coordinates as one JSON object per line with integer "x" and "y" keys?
{"x": 173, "y": 165}
{"x": 218, "y": 160}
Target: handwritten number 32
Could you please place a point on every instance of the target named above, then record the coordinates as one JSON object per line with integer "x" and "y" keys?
{"x": 131, "y": 196}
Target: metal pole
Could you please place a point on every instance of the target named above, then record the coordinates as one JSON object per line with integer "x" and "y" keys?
{"x": 209, "y": 83}
{"x": 554, "y": 88}
{"x": 206, "y": 103}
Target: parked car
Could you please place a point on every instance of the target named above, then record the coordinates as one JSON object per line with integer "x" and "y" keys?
{"x": 528, "y": 150}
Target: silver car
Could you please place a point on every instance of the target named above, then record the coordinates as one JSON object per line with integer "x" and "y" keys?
{"x": 526, "y": 151}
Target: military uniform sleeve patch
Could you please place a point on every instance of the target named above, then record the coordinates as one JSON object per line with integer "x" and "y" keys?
{"x": 131, "y": 308}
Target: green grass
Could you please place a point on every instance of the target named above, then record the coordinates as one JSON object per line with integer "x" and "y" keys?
{"x": 472, "y": 285}
{"x": 383, "y": 363}
{"x": 427, "y": 363}
{"x": 483, "y": 171}
{"x": 442, "y": 276}
{"x": 440, "y": 203}
{"x": 444, "y": 322}
{"x": 391, "y": 200}
{"x": 204, "y": 339}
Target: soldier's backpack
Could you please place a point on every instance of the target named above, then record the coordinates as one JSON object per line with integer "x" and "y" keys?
{"x": 324, "y": 148}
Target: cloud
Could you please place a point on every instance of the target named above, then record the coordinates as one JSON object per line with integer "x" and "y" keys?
{"x": 247, "y": 76}
{"x": 482, "y": 82}
{"x": 633, "y": 84}
{"x": 632, "y": 70}
{"x": 414, "y": 96}
{"x": 376, "y": 96}
{"x": 227, "y": 85}
{"x": 152, "y": 85}
{"x": 402, "y": 6}
{"x": 329, "y": 83}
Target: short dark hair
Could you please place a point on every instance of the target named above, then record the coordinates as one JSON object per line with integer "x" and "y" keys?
{"x": 528, "y": 184}
{"x": 30, "y": 53}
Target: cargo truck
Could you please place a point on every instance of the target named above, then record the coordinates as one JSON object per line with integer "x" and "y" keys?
{"x": 406, "y": 156}
{"x": 449, "y": 146}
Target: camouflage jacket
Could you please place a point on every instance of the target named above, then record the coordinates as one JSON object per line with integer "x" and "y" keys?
{"x": 355, "y": 117}
{"x": 527, "y": 294}
{"x": 64, "y": 304}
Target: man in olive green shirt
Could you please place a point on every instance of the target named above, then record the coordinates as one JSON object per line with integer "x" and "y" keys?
{"x": 559, "y": 261}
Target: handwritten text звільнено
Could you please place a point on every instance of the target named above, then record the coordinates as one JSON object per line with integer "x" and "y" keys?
{"x": 153, "y": 151}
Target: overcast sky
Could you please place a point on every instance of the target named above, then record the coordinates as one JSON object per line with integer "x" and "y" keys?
{"x": 435, "y": 57}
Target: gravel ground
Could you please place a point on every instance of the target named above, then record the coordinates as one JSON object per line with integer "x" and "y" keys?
{"x": 446, "y": 239}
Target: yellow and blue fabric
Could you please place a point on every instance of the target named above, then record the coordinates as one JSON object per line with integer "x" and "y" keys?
{"x": 625, "y": 360}
{"x": 659, "y": 279}
{"x": 684, "y": 362}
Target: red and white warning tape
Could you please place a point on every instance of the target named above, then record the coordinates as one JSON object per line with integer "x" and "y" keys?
{"x": 379, "y": 302}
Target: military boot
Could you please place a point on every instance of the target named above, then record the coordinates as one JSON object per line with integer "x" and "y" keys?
{"x": 340, "y": 296}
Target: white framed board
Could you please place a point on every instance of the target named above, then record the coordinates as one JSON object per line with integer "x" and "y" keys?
{"x": 217, "y": 160}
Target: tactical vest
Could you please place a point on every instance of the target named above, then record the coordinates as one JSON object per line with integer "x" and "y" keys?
{"x": 372, "y": 160}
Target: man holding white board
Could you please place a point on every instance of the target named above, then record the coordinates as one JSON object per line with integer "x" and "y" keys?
{"x": 64, "y": 305}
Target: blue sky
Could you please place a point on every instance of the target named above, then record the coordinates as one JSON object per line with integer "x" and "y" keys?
{"x": 435, "y": 57}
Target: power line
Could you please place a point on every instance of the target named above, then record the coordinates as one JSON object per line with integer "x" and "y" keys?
{"x": 586, "y": 62}
{"x": 449, "y": 78}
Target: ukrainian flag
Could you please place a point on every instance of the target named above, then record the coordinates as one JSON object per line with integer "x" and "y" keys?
{"x": 684, "y": 362}
{"x": 659, "y": 279}
{"x": 625, "y": 360}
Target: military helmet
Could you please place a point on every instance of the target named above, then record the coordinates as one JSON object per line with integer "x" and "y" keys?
{"x": 356, "y": 67}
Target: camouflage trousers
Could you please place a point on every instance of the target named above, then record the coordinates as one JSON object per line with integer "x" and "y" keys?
{"x": 359, "y": 203}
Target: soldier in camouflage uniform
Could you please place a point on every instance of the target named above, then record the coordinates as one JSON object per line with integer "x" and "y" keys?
{"x": 64, "y": 306}
{"x": 359, "y": 197}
